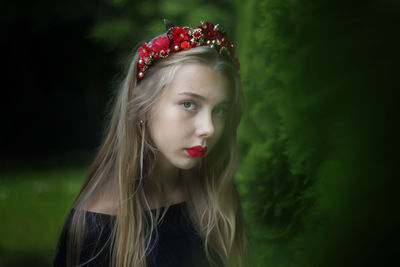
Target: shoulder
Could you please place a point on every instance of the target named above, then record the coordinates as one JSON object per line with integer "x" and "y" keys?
{"x": 96, "y": 225}
{"x": 104, "y": 202}
{"x": 91, "y": 220}
{"x": 96, "y": 232}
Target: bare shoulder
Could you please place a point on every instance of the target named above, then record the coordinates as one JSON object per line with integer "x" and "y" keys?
{"x": 102, "y": 206}
{"x": 102, "y": 203}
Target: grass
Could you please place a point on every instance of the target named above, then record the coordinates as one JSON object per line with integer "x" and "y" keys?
{"x": 33, "y": 205}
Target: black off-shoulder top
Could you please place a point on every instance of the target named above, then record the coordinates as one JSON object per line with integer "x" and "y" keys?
{"x": 177, "y": 244}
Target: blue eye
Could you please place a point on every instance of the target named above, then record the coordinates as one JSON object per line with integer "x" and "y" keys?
{"x": 189, "y": 105}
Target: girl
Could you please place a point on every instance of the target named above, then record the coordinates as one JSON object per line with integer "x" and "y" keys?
{"x": 161, "y": 190}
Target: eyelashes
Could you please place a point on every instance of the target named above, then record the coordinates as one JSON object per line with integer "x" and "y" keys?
{"x": 219, "y": 112}
{"x": 189, "y": 105}
{"x": 192, "y": 106}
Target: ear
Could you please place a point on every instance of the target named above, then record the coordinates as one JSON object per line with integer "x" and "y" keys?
{"x": 144, "y": 117}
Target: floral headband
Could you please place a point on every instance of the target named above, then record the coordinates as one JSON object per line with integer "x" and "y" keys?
{"x": 180, "y": 38}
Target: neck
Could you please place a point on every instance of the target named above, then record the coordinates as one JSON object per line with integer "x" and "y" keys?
{"x": 166, "y": 175}
{"x": 169, "y": 179}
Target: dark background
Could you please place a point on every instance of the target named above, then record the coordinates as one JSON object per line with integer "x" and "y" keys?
{"x": 56, "y": 81}
{"x": 318, "y": 142}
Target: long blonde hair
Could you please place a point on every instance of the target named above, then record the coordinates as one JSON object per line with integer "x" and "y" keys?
{"x": 127, "y": 156}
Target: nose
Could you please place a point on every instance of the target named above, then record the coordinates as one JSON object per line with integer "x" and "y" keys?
{"x": 205, "y": 125}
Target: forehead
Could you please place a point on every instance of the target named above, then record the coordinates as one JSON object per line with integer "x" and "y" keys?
{"x": 201, "y": 80}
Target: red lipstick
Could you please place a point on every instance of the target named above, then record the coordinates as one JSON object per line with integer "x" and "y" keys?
{"x": 196, "y": 151}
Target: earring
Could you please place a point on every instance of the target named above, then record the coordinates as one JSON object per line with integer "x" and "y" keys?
{"x": 142, "y": 132}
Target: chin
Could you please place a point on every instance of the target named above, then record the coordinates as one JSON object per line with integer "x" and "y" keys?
{"x": 187, "y": 165}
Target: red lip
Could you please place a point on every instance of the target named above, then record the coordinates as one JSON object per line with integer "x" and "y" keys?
{"x": 196, "y": 151}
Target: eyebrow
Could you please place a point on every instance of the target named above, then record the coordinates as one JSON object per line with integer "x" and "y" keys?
{"x": 226, "y": 102}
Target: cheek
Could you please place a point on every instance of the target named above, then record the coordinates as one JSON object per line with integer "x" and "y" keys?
{"x": 219, "y": 129}
{"x": 168, "y": 125}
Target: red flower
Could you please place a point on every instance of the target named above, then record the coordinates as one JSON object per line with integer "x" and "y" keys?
{"x": 208, "y": 31}
{"x": 185, "y": 45}
{"x": 160, "y": 43}
{"x": 179, "y": 34}
{"x": 144, "y": 50}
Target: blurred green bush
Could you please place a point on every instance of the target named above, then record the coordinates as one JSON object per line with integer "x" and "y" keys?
{"x": 317, "y": 134}
{"x": 33, "y": 206}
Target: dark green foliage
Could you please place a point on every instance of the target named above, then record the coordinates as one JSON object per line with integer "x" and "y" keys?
{"x": 316, "y": 136}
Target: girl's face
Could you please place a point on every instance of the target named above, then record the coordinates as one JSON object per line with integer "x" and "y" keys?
{"x": 190, "y": 112}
